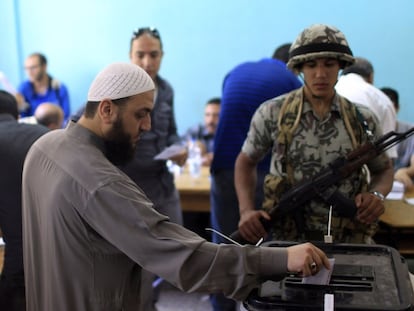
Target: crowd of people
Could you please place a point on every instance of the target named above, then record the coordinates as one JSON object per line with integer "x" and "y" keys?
{"x": 91, "y": 220}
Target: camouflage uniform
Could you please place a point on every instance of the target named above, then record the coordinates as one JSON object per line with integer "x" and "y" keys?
{"x": 314, "y": 144}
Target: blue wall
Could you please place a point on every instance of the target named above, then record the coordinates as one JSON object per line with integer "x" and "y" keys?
{"x": 202, "y": 40}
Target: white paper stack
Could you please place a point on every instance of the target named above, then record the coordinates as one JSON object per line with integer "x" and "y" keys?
{"x": 397, "y": 191}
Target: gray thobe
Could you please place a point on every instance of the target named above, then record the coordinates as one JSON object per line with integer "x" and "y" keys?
{"x": 88, "y": 231}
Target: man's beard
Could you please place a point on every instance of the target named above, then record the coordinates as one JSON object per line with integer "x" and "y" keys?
{"x": 118, "y": 147}
{"x": 39, "y": 76}
{"x": 211, "y": 127}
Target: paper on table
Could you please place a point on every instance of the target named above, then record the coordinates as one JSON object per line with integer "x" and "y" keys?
{"x": 409, "y": 200}
{"x": 395, "y": 196}
{"x": 169, "y": 152}
{"x": 397, "y": 191}
{"x": 322, "y": 277}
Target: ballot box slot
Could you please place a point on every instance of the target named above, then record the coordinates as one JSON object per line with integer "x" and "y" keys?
{"x": 364, "y": 277}
{"x": 334, "y": 285}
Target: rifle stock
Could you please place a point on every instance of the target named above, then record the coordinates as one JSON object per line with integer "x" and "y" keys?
{"x": 323, "y": 183}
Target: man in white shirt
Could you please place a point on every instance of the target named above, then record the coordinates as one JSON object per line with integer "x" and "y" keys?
{"x": 356, "y": 84}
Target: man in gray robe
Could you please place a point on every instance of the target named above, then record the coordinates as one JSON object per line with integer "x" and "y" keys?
{"x": 89, "y": 230}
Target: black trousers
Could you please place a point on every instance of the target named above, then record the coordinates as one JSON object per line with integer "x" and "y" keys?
{"x": 12, "y": 293}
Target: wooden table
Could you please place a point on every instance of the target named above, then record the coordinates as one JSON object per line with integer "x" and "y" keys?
{"x": 194, "y": 191}
{"x": 398, "y": 221}
{"x": 398, "y": 213}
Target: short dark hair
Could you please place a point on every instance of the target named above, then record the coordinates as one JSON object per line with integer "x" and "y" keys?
{"x": 153, "y": 32}
{"x": 282, "y": 52}
{"x": 393, "y": 95}
{"x": 42, "y": 58}
{"x": 361, "y": 66}
{"x": 92, "y": 106}
{"x": 214, "y": 101}
{"x": 8, "y": 104}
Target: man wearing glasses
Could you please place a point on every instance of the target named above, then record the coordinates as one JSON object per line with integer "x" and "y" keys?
{"x": 41, "y": 88}
{"x": 152, "y": 176}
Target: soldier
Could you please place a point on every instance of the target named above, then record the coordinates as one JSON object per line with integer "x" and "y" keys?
{"x": 306, "y": 130}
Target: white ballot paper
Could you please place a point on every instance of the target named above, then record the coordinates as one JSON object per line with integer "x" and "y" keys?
{"x": 322, "y": 277}
{"x": 272, "y": 288}
{"x": 169, "y": 152}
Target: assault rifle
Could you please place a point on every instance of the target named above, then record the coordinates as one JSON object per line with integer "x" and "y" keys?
{"x": 324, "y": 184}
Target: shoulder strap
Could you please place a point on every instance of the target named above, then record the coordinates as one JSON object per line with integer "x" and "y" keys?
{"x": 288, "y": 121}
{"x": 355, "y": 123}
{"x": 54, "y": 84}
{"x": 289, "y": 118}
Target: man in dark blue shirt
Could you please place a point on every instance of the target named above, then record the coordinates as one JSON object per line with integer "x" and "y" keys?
{"x": 245, "y": 87}
{"x": 203, "y": 133}
{"x": 41, "y": 88}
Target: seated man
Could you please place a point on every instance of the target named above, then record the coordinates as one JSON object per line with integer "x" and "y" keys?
{"x": 204, "y": 133}
{"x": 41, "y": 88}
{"x": 404, "y": 163}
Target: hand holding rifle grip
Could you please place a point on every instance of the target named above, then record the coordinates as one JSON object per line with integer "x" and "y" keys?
{"x": 323, "y": 183}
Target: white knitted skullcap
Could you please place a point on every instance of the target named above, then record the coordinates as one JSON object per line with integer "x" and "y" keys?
{"x": 119, "y": 80}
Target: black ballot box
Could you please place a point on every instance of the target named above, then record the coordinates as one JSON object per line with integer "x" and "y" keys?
{"x": 365, "y": 277}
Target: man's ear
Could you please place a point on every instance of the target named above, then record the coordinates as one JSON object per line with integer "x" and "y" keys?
{"x": 106, "y": 110}
{"x": 371, "y": 78}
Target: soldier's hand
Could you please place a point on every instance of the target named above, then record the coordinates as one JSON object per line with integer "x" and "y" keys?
{"x": 306, "y": 259}
{"x": 250, "y": 226}
{"x": 370, "y": 207}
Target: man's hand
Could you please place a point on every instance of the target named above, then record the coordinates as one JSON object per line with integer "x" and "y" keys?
{"x": 21, "y": 102}
{"x": 403, "y": 176}
{"x": 370, "y": 207}
{"x": 207, "y": 159}
{"x": 306, "y": 259}
{"x": 180, "y": 158}
{"x": 250, "y": 227}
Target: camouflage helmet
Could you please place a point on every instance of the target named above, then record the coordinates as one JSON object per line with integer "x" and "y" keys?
{"x": 319, "y": 41}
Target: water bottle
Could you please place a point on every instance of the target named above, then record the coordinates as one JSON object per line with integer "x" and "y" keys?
{"x": 194, "y": 159}
{"x": 173, "y": 168}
